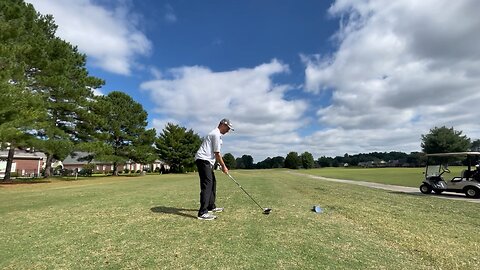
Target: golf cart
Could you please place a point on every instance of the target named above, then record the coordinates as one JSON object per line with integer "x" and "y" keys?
{"x": 468, "y": 182}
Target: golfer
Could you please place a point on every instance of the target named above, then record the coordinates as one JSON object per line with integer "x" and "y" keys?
{"x": 207, "y": 154}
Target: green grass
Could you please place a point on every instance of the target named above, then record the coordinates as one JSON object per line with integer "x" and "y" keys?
{"x": 150, "y": 222}
{"x": 409, "y": 177}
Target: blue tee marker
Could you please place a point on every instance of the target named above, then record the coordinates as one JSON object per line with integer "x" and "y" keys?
{"x": 317, "y": 209}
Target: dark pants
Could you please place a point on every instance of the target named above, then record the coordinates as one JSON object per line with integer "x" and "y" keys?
{"x": 208, "y": 186}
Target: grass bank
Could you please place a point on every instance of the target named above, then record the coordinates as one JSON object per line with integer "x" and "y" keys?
{"x": 150, "y": 222}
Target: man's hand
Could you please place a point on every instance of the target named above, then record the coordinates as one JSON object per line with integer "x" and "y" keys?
{"x": 219, "y": 159}
{"x": 225, "y": 169}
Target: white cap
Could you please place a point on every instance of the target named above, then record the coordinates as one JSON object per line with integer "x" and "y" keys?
{"x": 227, "y": 122}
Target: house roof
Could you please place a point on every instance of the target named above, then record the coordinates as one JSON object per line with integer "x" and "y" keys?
{"x": 76, "y": 159}
{"x": 73, "y": 159}
{"x": 22, "y": 154}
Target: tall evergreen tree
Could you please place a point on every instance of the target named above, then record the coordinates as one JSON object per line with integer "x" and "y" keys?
{"x": 22, "y": 34}
{"x": 66, "y": 88}
{"x": 177, "y": 147}
{"x": 121, "y": 131}
{"x": 144, "y": 151}
{"x": 19, "y": 111}
{"x": 50, "y": 68}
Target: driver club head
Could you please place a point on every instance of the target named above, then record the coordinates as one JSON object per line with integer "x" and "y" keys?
{"x": 266, "y": 211}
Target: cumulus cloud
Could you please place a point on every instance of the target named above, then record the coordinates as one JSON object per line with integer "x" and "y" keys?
{"x": 199, "y": 98}
{"x": 109, "y": 37}
{"x": 401, "y": 68}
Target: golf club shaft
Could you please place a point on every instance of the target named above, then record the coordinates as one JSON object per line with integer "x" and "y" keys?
{"x": 231, "y": 177}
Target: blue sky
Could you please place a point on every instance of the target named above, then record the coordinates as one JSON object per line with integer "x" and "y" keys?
{"x": 328, "y": 77}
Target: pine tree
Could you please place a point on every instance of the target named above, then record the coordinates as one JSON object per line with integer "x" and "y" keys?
{"x": 66, "y": 89}
{"x": 121, "y": 131}
{"x": 50, "y": 69}
{"x": 21, "y": 32}
{"x": 177, "y": 146}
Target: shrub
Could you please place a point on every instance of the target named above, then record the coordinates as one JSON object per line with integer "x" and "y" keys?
{"x": 57, "y": 170}
{"x": 66, "y": 172}
{"x": 85, "y": 172}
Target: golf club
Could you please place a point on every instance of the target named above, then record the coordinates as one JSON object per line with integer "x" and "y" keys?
{"x": 266, "y": 211}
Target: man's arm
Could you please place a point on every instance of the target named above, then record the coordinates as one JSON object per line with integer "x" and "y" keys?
{"x": 219, "y": 159}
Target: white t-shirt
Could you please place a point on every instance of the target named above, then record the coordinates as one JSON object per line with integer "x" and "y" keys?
{"x": 211, "y": 144}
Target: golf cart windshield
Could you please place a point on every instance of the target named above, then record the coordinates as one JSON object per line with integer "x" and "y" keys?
{"x": 437, "y": 169}
{"x": 433, "y": 170}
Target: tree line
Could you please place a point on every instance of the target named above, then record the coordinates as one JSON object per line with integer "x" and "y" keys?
{"x": 305, "y": 160}
{"x": 438, "y": 140}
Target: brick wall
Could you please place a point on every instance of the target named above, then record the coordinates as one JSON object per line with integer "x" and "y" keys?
{"x": 27, "y": 167}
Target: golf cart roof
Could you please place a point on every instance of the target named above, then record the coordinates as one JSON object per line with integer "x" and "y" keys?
{"x": 454, "y": 154}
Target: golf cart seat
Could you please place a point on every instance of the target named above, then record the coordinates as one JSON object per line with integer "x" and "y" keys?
{"x": 467, "y": 174}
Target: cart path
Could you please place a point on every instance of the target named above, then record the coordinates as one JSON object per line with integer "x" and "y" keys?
{"x": 409, "y": 190}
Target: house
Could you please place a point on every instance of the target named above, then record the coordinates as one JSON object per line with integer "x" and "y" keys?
{"x": 77, "y": 161}
{"x": 394, "y": 163}
{"x": 26, "y": 163}
{"x": 157, "y": 165}
{"x": 373, "y": 164}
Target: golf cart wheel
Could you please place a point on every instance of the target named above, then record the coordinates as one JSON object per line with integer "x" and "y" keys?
{"x": 425, "y": 189}
{"x": 472, "y": 192}
{"x": 437, "y": 191}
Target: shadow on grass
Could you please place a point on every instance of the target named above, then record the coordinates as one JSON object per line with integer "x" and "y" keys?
{"x": 23, "y": 182}
{"x": 174, "y": 211}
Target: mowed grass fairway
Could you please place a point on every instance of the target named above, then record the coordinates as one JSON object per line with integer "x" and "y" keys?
{"x": 150, "y": 222}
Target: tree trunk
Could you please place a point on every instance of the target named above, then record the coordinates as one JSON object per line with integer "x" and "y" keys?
{"x": 115, "y": 169}
{"x": 48, "y": 166}
{"x": 11, "y": 153}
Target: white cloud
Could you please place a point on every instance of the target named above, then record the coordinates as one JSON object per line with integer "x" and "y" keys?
{"x": 199, "y": 98}
{"x": 401, "y": 68}
{"x": 156, "y": 73}
{"x": 338, "y": 141}
{"x": 170, "y": 16}
{"x": 98, "y": 92}
{"x": 110, "y": 38}
{"x": 159, "y": 124}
